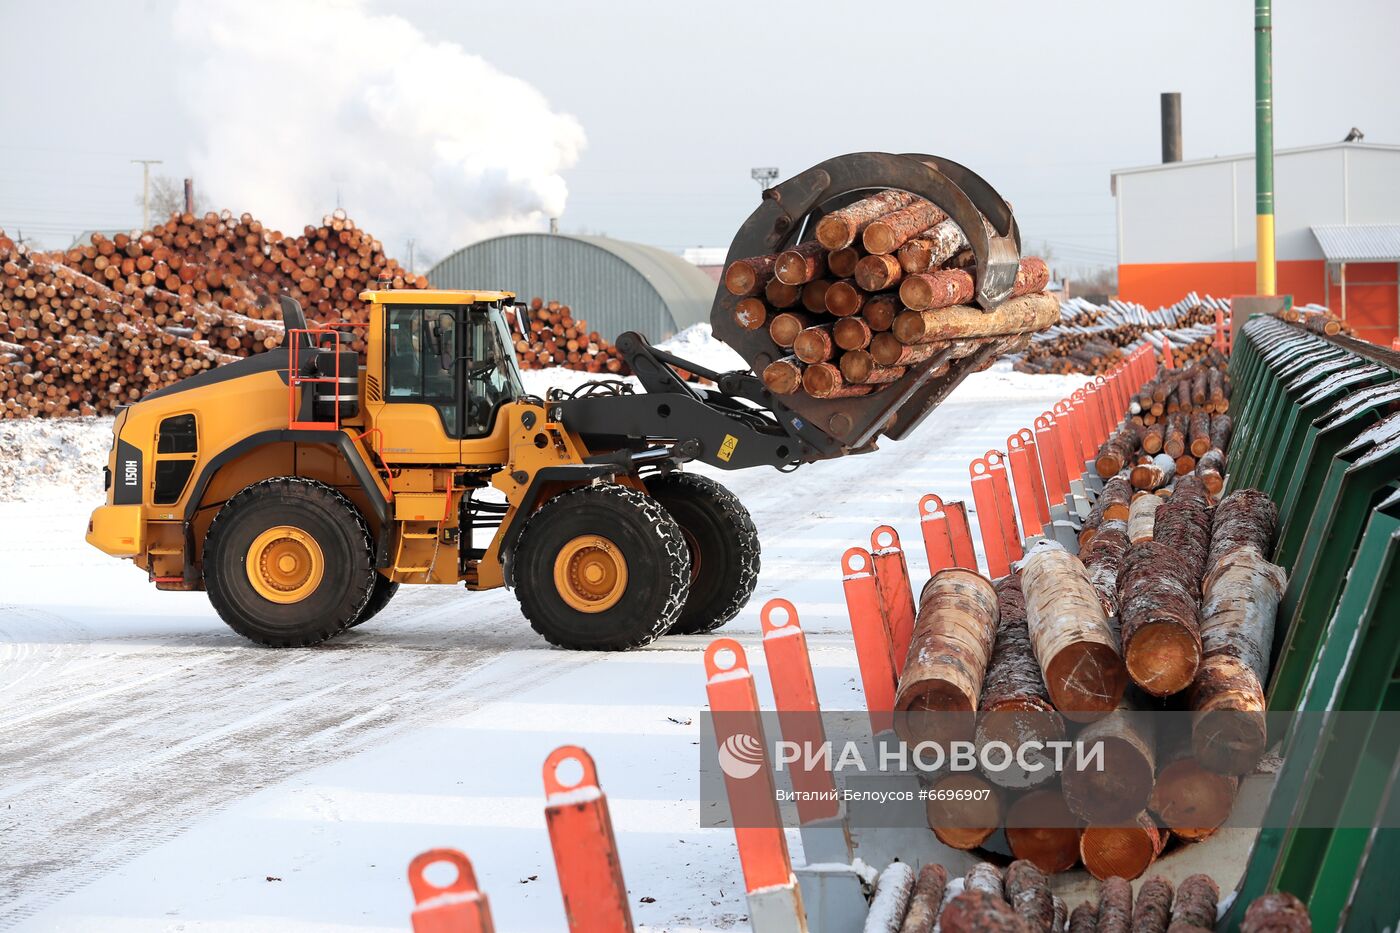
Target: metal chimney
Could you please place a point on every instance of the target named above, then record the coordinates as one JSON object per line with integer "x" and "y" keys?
{"x": 1171, "y": 126}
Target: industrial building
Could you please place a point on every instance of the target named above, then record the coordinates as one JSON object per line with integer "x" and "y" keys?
{"x": 1337, "y": 223}
{"x": 615, "y": 285}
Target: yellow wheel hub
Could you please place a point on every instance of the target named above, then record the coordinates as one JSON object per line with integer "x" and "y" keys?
{"x": 285, "y": 564}
{"x": 590, "y": 573}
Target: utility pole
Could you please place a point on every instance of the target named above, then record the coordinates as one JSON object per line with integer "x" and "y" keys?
{"x": 146, "y": 189}
{"x": 411, "y": 270}
{"x": 1264, "y": 266}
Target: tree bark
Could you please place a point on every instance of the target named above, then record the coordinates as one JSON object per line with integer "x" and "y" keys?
{"x": 1183, "y": 524}
{"x": 840, "y": 228}
{"x": 1142, "y": 515}
{"x": 927, "y": 899}
{"x": 1241, "y": 598}
{"x": 932, "y": 248}
{"x": 1244, "y": 518}
{"x": 980, "y": 912}
{"x": 948, "y": 657}
{"x": 1153, "y": 910}
{"x": 893, "y": 230}
{"x": 886, "y": 350}
{"x": 1153, "y": 474}
{"x": 1196, "y": 900}
{"x": 1101, "y": 559}
{"x": 1018, "y": 316}
{"x": 1278, "y": 911}
{"x": 1077, "y": 651}
{"x": 1160, "y": 621}
{"x": 1115, "y": 906}
{"x": 1028, "y": 892}
{"x": 1015, "y": 707}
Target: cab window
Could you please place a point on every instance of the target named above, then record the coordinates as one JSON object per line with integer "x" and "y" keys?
{"x": 421, "y": 349}
{"x": 492, "y": 377}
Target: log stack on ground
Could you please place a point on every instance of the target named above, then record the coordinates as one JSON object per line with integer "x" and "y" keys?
{"x": 1092, "y": 339}
{"x": 89, "y": 328}
{"x": 886, "y": 284}
{"x": 549, "y": 335}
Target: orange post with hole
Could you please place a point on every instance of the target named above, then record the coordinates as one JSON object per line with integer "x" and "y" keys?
{"x": 459, "y": 907}
{"x": 799, "y": 711}
{"x": 585, "y": 851}
{"x": 1031, "y": 504}
{"x": 1068, "y": 437}
{"x": 877, "y": 673}
{"x": 988, "y": 521}
{"x": 960, "y": 530}
{"x": 938, "y": 541}
{"x": 1052, "y": 462}
{"x": 896, "y": 593}
{"x": 1006, "y": 507}
{"x": 748, "y": 776}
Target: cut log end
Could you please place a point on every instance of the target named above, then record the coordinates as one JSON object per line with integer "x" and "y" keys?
{"x": 1162, "y": 657}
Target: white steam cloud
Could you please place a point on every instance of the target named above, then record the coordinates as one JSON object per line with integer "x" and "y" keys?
{"x": 298, "y": 102}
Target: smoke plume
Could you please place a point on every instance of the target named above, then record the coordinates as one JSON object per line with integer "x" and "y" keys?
{"x": 299, "y": 105}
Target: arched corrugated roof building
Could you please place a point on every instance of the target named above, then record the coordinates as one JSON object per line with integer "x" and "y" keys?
{"x": 615, "y": 285}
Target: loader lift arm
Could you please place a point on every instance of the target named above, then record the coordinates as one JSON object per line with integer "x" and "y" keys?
{"x": 735, "y": 425}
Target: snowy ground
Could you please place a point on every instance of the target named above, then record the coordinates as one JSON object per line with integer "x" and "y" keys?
{"x": 159, "y": 773}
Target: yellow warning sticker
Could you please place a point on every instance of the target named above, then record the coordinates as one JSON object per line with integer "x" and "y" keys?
{"x": 726, "y": 449}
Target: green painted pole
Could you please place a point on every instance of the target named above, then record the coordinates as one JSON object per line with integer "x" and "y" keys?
{"x": 1264, "y": 265}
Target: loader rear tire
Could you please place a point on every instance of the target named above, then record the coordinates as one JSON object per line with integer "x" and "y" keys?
{"x": 601, "y": 568}
{"x": 724, "y": 549}
{"x": 288, "y": 562}
{"x": 384, "y": 590}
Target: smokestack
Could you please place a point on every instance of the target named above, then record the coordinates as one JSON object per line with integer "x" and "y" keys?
{"x": 554, "y": 225}
{"x": 189, "y": 195}
{"x": 1171, "y": 126}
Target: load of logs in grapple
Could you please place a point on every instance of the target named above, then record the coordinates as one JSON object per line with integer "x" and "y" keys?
{"x": 550, "y": 335}
{"x": 1018, "y": 899}
{"x": 1169, "y": 604}
{"x": 99, "y": 325}
{"x": 885, "y": 285}
{"x": 1093, "y": 339}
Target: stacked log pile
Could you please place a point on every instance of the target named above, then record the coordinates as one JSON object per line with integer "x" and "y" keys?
{"x": 1019, "y": 900}
{"x": 1092, "y": 339}
{"x": 884, "y": 286}
{"x": 1169, "y": 604}
{"x": 99, "y": 325}
{"x": 1317, "y": 319}
{"x": 548, "y": 335}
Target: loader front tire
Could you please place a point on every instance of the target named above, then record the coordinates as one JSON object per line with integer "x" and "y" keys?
{"x": 384, "y": 590}
{"x": 601, "y": 568}
{"x": 288, "y": 562}
{"x": 724, "y": 550}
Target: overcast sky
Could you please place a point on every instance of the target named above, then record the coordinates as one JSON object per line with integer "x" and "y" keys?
{"x": 678, "y": 101}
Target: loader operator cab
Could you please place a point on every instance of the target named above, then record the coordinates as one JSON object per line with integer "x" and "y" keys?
{"x": 457, "y": 358}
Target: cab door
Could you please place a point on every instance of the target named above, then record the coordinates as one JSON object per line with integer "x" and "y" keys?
{"x": 422, "y": 417}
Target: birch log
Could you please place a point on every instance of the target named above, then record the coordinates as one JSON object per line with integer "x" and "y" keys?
{"x": 1142, "y": 516}
{"x": 942, "y": 678}
{"x": 1076, "y": 649}
{"x": 1242, "y": 594}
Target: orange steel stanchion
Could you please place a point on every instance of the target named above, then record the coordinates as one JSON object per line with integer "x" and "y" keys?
{"x": 1083, "y": 427}
{"x": 1068, "y": 436}
{"x": 896, "y": 594}
{"x": 585, "y": 852}
{"x": 459, "y": 907}
{"x": 938, "y": 541}
{"x": 877, "y": 672}
{"x": 1006, "y": 508}
{"x": 1052, "y": 462}
{"x": 799, "y": 712}
{"x": 988, "y": 521}
{"x": 960, "y": 530}
{"x": 1031, "y": 503}
{"x": 1103, "y": 403}
{"x": 773, "y": 894}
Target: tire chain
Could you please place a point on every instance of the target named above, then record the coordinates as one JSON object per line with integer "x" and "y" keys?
{"x": 672, "y": 543}
{"x": 746, "y": 541}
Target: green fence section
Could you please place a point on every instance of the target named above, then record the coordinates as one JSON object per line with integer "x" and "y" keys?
{"x": 1317, "y": 428}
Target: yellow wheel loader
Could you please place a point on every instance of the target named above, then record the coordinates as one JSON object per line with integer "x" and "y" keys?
{"x": 301, "y": 486}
